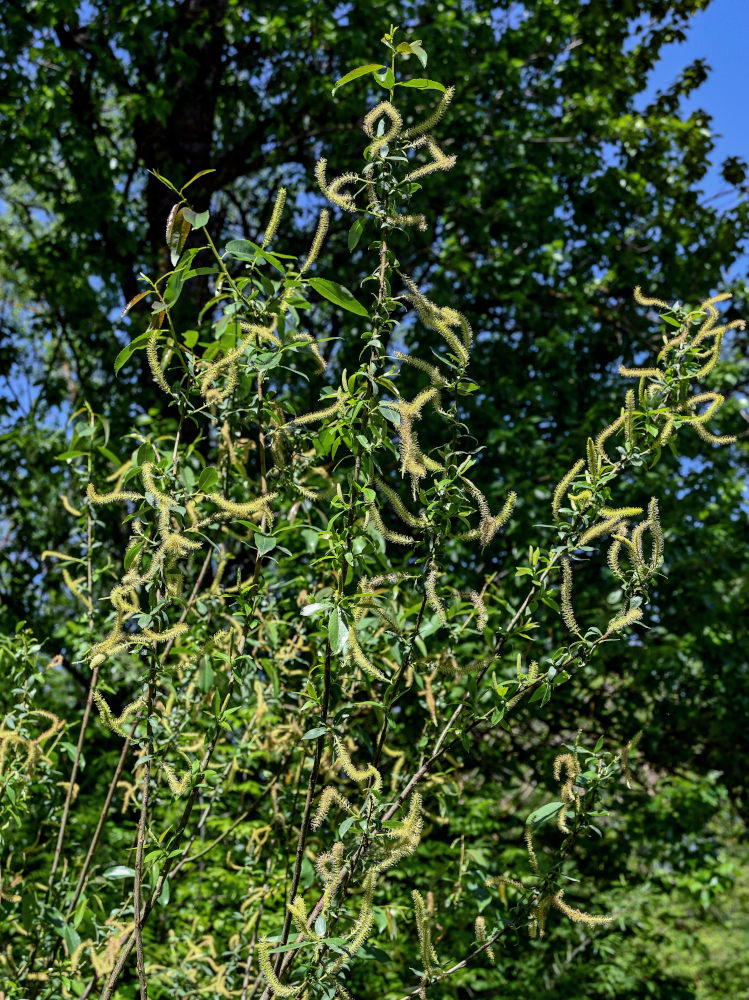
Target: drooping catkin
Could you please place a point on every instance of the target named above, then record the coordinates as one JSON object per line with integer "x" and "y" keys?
{"x": 423, "y": 927}
{"x": 565, "y": 594}
{"x": 266, "y": 967}
{"x": 298, "y": 910}
{"x": 438, "y": 162}
{"x": 177, "y": 786}
{"x": 605, "y": 527}
{"x": 629, "y": 418}
{"x": 356, "y": 653}
{"x": 275, "y": 218}
{"x": 355, "y": 773}
{"x": 433, "y": 119}
{"x": 643, "y": 300}
{"x": 400, "y": 508}
{"x": 528, "y": 837}
{"x": 117, "y": 725}
{"x": 328, "y": 796}
{"x": 363, "y": 926}
{"x": 624, "y": 620}
{"x": 155, "y": 365}
{"x": 481, "y": 936}
{"x": 593, "y": 458}
{"x": 605, "y": 434}
{"x": 570, "y": 765}
{"x": 382, "y": 110}
{"x": 433, "y": 598}
{"x": 489, "y": 525}
{"x": 242, "y": 510}
{"x": 333, "y": 191}
{"x": 405, "y": 837}
{"x": 116, "y": 496}
{"x": 563, "y": 485}
{"x": 578, "y": 916}
{"x": 481, "y": 616}
{"x": 317, "y": 240}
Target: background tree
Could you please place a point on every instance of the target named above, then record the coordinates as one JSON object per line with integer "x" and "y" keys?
{"x": 563, "y": 199}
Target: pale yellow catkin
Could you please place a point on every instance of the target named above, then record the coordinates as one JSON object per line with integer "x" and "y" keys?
{"x": 363, "y": 926}
{"x": 116, "y": 496}
{"x": 578, "y": 916}
{"x": 333, "y": 191}
{"x": 355, "y": 773}
{"x": 356, "y": 653}
{"x": 439, "y": 160}
{"x": 563, "y": 485}
{"x": 643, "y": 300}
{"x": 565, "y": 594}
{"x": 155, "y": 365}
{"x": 605, "y": 434}
{"x": 317, "y": 241}
{"x": 433, "y": 119}
{"x": 328, "y": 796}
{"x": 433, "y": 598}
{"x": 481, "y": 936}
{"x": 275, "y": 984}
{"x": 602, "y": 528}
{"x": 383, "y": 110}
{"x": 275, "y": 218}
{"x": 624, "y": 620}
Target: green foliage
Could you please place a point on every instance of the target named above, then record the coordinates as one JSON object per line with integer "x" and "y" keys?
{"x": 319, "y": 644}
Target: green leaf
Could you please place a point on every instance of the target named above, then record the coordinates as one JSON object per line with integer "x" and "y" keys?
{"x": 206, "y": 675}
{"x": 355, "y": 233}
{"x": 208, "y": 480}
{"x": 389, "y": 413}
{"x": 337, "y": 294}
{"x": 419, "y": 53}
{"x": 196, "y": 219}
{"x": 345, "y": 826}
{"x": 165, "y": 893}
{"x": 264, "y": 543}
{"x": 320, "y": 925}
{"x": 337, "y": 631}
{"x": 133, "y": 300}
{"x": 421, "y": 83}
{"x": 312, "y": 734}
{"x": 131, "y": 553}
{"x": 249, "y": 251}
{"x": 312, "y": 609}
{"x": 355, "y": 74}
{"x": 71, "y": 937}
{"x": 200, "y": 173}
{"x": 164, "y": 181}
{"x": 543, "y": 813}
{"x": 119, "y": 871}
{"x": 177, "y": 231}
{"x": 385, "y": 78}
{"x": 132, "y": 347}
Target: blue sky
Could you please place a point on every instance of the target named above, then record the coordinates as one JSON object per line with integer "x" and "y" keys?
{"x": 721, "y": 36}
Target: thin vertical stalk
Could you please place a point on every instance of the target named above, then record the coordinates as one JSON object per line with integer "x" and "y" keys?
{"x": 141, "y": 838}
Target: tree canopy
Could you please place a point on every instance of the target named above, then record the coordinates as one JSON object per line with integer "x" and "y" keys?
{"x": 569, "y": 190}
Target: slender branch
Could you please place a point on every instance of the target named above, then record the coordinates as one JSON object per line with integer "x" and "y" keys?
{"x": 141, "y": 838}
{"x": 253, "y": 941}
{"x": 311, "y": 789}
{"x": 129, "y": 944}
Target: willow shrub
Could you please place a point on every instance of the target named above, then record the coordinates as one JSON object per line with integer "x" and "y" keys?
{"x": 301, "y": 648}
